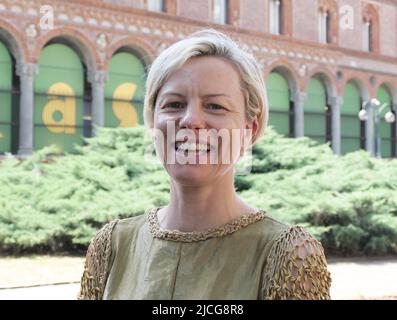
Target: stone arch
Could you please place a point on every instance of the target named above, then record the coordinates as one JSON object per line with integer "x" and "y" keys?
{"x": 286, "y": 69}
{"x": 364, "y": 90}
{"x": 327, "y": 78}
{"x": 391, "y": 88}
{"x": 14, "y": 41}
{"x": 135, "y": 45}
{"x": 127, "y": 62}
{"x": 76, "y": 40}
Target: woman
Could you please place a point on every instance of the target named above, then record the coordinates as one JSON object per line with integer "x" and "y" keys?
{"x": 207, "y": 243}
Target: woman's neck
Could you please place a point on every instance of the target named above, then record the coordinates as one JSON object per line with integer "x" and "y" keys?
{"x": 199, "y": 208}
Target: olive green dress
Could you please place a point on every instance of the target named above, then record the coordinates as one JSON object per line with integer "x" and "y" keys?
{"x": 251, "y": 257}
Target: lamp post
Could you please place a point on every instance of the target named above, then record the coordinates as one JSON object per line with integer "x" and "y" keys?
{"x": 377, "y": 108}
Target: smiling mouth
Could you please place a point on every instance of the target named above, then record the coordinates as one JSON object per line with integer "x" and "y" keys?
{"x": 192, "y": 147}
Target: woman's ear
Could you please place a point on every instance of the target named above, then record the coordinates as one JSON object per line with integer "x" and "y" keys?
{"x": 253, "y": 126}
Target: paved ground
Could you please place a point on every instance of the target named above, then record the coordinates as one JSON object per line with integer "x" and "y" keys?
{"x": 29, "y": 278}
{"x": 364, "y": 279}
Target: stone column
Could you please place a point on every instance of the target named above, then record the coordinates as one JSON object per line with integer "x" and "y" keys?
{"x": 394, "y": 108}
{"x": 370, "y": 131}
{"x": 299, "y": 101}
{"x": 98, "y": 79}
{"x": 26, "y": 73}
{"x": 336, "y": 103}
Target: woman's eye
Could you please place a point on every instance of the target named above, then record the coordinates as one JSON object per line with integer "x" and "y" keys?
{"x": 174, "y": 105}
{"x": 213, "y": 106}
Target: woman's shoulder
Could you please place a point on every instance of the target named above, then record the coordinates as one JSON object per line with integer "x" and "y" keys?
{"x": 114, "y": 232}
{"x": 130, "y": 223}
{"x": 101, "y": 253}
{"x": 96, "y": 264}
{"x": 281, "y": 232}
{"x": 287, "y": 240}
{"x": 296, "y": 267}
{"x": 116, "y": 227}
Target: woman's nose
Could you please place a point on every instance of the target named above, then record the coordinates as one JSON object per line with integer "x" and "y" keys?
{"x": 193, "y": 117}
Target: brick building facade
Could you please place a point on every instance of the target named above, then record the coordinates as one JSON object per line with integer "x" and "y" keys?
{"x": 323, "y": 60}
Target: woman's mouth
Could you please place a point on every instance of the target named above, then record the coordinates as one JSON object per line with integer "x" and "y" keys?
{"x": 192, "y": 147}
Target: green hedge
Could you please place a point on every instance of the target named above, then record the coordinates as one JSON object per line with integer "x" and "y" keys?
{"x": 53, "y": 202}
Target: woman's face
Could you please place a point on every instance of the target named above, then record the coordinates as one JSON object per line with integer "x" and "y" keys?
{"x": 201, "y": 117}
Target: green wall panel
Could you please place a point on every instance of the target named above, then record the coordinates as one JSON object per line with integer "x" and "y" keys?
{"x": 5, "y": 99}
{"x": 314, "y": 111}
{"x": 124, "y": 91}
{"x": 59, "y": 87}
{"x": 350, "y": 123}
{"x": 385, "y": 129}
{"x": 279, "y": 100}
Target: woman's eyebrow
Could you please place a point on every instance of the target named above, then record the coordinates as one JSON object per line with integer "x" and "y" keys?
{"x": 211, "y": 95}
{"x": 206, "y": 96}
{"x": 216, "y": 95}
{"x": 170, "y": 93}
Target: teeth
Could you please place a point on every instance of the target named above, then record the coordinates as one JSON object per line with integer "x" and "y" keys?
{"x": 190, "y": 146}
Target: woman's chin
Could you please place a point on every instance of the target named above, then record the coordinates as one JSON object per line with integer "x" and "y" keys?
{"x": 191, "y": 174}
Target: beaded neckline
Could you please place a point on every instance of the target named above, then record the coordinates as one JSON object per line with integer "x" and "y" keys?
{"x": 220, "y": 231}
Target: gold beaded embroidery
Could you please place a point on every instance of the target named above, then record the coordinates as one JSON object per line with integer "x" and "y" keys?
{"x": 96, "y": 268}
{"x": 193, "y": 236}
{"x": 296, "y": 268}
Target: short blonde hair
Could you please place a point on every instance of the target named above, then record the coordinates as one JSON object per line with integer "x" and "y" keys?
{"x": 210, "y": 42}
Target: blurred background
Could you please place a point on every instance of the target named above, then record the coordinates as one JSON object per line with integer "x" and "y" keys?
{"x": 72, "y": 145}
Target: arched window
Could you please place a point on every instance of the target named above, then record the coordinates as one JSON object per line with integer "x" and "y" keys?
{"x": 9, "y": 102}
{"x": 275, "y": 17}
{"x": 387, "y": 130}
{"x": 59, "y": 105}
{"x": 367, "y": 36}
{"x": 124, "y": 90}
{"x": 317, "y": 112}
{"x": 370, "y": 29}
{"x": 323, "y": 30}
{"x": 156, "y": 5}
{"x": 280, "y": 17}
{"x": 328, "y": 22}
{"x": 221, "y": 11}
{"x": 352, "y": 129}
{"x": 281, "y": 115}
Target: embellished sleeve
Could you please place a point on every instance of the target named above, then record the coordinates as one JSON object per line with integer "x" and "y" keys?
{"x": 96, "y": 266}
{"x": 296, "y": 268}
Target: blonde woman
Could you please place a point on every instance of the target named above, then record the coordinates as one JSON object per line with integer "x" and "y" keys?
{"x": 207, "y": 243}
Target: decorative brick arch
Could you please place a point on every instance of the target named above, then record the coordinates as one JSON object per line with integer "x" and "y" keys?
{"x": 77, "y": 40}
{"x": 370, "y": 14}
{"x": 285, "y": 68}
{"x": 327, "y": 78}
{"x": 138, "y": 46}
{"x": 361, "y": 84}
{"x": 331, "y": 8}
{"x": 14, "y": 41}
{"x": 391, "y": 88}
